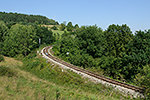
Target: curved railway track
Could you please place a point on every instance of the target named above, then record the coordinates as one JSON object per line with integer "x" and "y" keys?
{"x": 128, "y": 86}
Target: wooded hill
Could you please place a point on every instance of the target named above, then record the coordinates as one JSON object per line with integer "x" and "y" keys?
{"x": 24, "y": 18}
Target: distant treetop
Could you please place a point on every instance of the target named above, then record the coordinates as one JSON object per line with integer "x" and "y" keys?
{"x": 25, "y": 18}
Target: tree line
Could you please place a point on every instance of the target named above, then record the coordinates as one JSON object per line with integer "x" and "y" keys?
{"x": 12, "y": 18}
{"x": 22, "y": 39}
{"x": 69, "y": 26}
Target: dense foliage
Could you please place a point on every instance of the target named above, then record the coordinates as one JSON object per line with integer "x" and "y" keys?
{"x": 69, "y": 26}
{"x": 143, "y": 79}
{"x": 54, "y": 28}
{"x": 21, "y": 39}
{"x": 3, "y": 33}
{"x": 91, "y": 47}
{"x": 45, "y": 35}
{"x": 11, "y": 18}
{"x": 1, "y": 58}
{"x": 62, "y": 27}
{"x": 116, "y": 50}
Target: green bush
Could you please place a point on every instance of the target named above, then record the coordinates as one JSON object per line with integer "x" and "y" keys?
{"x": 19, "y": 57}
{"x": 32, "y": 55}
{"x": 1, "y": 58}
{"x": 143, "y": 79}
{"x": 54, "y": 28}
{"x": 31, "y": 65}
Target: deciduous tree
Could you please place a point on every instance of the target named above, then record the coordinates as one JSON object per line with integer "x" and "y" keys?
{"x": 3, "y": 33}
{"x": 62, "y": 27}
{"x": 69, "y": 26}
{"x": 44, "y": 34}
{"x": 20, "y": 40}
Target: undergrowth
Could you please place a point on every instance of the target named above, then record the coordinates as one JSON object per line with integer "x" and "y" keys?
{"x": 1, "y": 58}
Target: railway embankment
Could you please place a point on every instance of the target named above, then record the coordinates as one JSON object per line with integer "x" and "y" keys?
{"x": 120, "y": 86}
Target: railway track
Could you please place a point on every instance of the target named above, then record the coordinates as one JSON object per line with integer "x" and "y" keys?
{"x": 128, "y": 86}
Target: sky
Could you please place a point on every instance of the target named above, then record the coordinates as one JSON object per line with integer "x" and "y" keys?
{"x": 134, "y": 13}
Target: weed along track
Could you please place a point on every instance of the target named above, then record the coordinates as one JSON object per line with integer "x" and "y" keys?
{"x": 126, "y": 88}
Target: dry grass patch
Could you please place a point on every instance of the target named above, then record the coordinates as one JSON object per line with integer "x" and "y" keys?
{"x": 26, "y": 86}
{"x": 11, "y": 62}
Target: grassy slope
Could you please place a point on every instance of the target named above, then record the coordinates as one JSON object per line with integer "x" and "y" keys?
{"x": 55, "y": 31}
{"x": 58, "y": 31}
{"x": 28, "y": 86}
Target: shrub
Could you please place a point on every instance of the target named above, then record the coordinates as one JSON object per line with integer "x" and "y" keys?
{"x": 1, "y": 58}
{"x": 19, "y": 57}
{"x": 143, "y": 79}
{"x": 54, "y": 28}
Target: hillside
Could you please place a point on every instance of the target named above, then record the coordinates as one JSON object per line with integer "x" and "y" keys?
{"x": 28, "y": 85}
{"x": 25, "y": 18}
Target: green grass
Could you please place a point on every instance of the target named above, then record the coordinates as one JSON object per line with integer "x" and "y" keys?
{"x": 38, "y": 80}
{"x": 58, "y": 31}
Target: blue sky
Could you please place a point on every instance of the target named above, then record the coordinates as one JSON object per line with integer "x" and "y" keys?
{"x": 134, "y": 13}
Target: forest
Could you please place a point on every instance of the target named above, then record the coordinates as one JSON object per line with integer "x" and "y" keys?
{"x": 116, "y": 52}
{"x": 12, "y": 18}
{"x": 22, "y": 39}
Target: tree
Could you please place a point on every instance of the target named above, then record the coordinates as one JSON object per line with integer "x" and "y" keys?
{"x": 45, "y": 35}
{"x": 20, "y": 40}
{"x": 3, "y": 33}
{"x": 142, "y": 79}
{"x": 1, "y": 58}
{"x": 69, "y": 26}
{"x": 91, "y": 40}
{"x": 76, "y": 26}
{"x": 54, "y": 28}
{"x": 117, "y": 37}
{"x": 64, "y": 22}
{"x": 62, "y": 27}
{"x": 3, "y": 30}
{"x": 138, "y": 53}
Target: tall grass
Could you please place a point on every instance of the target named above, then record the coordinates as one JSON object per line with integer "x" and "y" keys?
{"x": 38, "y": 79}
{"x": 54, "y": 74}
{"x": 26, "y": 86}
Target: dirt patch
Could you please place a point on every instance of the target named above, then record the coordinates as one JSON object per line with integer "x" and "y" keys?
{"x": 49, "y": 26}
